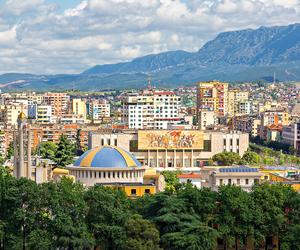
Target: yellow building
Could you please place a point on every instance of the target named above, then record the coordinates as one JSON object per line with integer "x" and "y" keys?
{"x": 79, "y": 107}
{"x": 283, "y": 175}
{"x": 235, "y": 97}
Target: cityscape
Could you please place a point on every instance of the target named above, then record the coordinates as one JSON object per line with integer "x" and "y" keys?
{"x": 161, "y": 145}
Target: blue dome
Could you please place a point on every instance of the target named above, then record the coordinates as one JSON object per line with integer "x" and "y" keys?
{"x": 107, "y": 157}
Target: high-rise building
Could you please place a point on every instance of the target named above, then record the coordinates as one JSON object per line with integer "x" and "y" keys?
{"x": 59, "y": 103}
{"x": 151, "y": 109}
{"x": 213, "y": 96}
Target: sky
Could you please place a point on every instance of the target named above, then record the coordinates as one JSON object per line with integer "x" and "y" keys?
{"x": 69, "y": 36}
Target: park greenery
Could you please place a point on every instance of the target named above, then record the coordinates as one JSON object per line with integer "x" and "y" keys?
{"x": 66, "y": 215}
{"x": 255, "y": 155}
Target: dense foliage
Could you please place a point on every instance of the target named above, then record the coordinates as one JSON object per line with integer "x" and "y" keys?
{"x": 62, "y": 153}
{"x": 256, "y": 154}
{"x": 65, "y": 215}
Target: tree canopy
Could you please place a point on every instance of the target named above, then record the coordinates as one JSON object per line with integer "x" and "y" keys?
{"x": 66, "y": 215}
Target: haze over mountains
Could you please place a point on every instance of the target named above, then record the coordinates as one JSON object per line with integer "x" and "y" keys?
{"x": 245, "y": 55}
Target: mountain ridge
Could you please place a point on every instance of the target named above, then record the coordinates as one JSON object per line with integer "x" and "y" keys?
{"x": 242, "y": 55}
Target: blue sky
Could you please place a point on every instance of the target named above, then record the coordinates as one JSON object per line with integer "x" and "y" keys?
{"x": 69, "y": 36}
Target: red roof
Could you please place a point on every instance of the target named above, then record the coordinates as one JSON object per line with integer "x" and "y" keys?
{"x": 189, "y": 176}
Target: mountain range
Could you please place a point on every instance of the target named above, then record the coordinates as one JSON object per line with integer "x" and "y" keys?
{"x": 234, "y": 56}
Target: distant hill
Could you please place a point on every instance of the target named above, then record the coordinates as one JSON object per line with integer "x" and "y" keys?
{"x": 244, "y": 55}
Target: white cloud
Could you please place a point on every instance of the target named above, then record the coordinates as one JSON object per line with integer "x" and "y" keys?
{"x": 36, "y": 37}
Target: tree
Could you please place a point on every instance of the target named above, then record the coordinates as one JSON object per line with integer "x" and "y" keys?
{"x": 251, "y": 158}
{"x": 269, "y": 210}
{"x": 227, "y": 158}
{"x": 10, "y": 150}
{"x": 108, "y": 211}
{"x": 62, "y": 219}
{"x": 234, "y": 215}
{"x": 141, "y": 234}
{"x": 47, "y": 150}
{"x": 78, "y": 148}
{"x": 65, "y": 152}
{"x": 172, "y": 181}
{"x": 196, "y": 237}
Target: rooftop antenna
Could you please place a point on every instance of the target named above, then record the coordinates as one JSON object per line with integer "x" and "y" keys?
{"x": 149, "y": 83}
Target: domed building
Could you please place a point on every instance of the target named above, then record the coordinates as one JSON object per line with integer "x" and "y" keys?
{"x": 111, "y": 166}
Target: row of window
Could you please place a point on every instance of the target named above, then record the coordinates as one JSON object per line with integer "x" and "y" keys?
{"x": 238, "y": 182}
{"x": 106, "y": 174}
{"x": 113, "y": 142}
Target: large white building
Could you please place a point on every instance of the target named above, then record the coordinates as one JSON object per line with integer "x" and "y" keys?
{"x": 151, "y": 109}
{"x": 244, "y": 177}
{"x": 172, "y": 149}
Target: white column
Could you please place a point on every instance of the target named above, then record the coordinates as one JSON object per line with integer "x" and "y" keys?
{"x": 174, "y": 160}
{"x": 157, "y": 158}
{"x": 192, "y": 158}
{"x": 166, "y": 158}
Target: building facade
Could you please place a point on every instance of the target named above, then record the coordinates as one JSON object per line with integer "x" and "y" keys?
{"x": 151, "y": 109}
{"x": 173, "y": 148}
{"x": 213, "y": 96}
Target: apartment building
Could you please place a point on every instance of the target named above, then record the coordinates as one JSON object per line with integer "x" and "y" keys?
{"x": 79, "y": 107}
{"x": 151, "y": 109}
{"x": 213, "y": 96}
{"x": 206, "y": 118}
{"x": 238, "y": 102}
{"x": 291, "y": 135}
{"x": 98, "y": 109}
{"x": 58, "y": 101}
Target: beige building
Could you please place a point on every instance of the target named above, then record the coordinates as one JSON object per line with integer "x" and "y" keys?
{"x": 173, "y": 148}
{"x": 244, "y": 177}
{"x": 206, "y": 118}
{"x": 11, "y": 113}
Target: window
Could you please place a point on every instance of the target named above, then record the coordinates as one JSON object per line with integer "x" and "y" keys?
{"x": 256, "y": 181}
{"x": 108, "y": 141}
{"x": 133, "y": 191}
{"x": 147, "y": 191}
{"x": 247, "y": 181}
{"x": 221, "y": 182}
{"x": 230, "y": 142}
{"x": 224, "y": 142}
{"x": 116, "y": 142}
{"x": 102, "y": 142}
{"x": 229, "y": 181}
{"x": 238, "y": 181}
